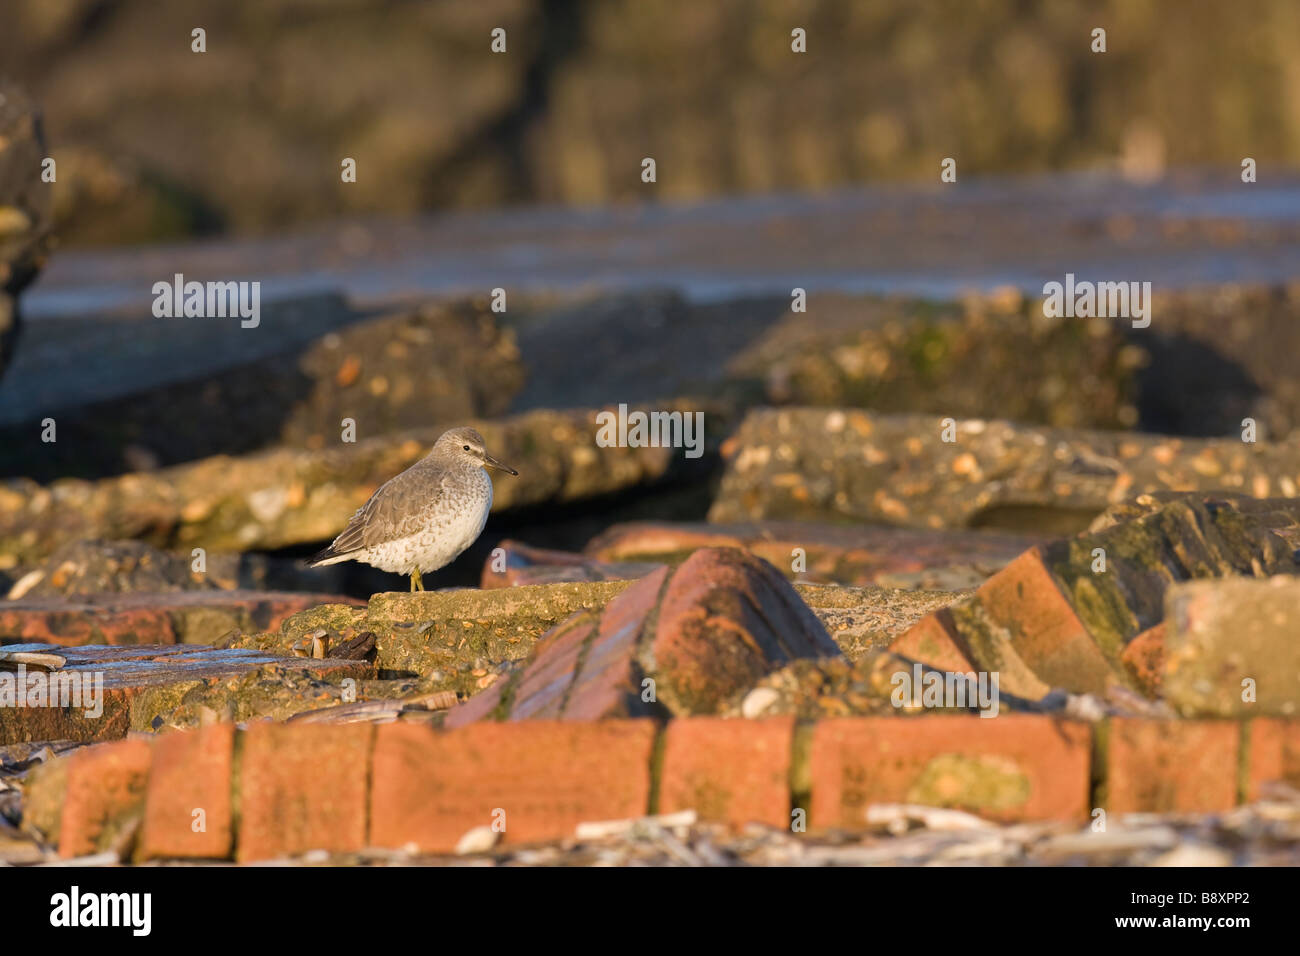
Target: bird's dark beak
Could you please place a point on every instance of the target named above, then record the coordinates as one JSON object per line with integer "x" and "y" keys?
{"x": 489, "y": 460}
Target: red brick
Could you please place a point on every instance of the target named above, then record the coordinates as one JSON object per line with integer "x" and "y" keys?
{"x": 844, "y": 554}
{"x": 478, "y": 707}
{"x": 1144, "y": 656}
{"x": 1024, "y": 599}
{"x": 27, "y": 724}
{"x": 69, "y": 623}
{"x": 302, "y": 787}
{"x": 539, "y": 689}
{"x": 1274, "y": 754}
{"x": 935, "y": 642}
{"x": 191, "y": 771}
{"x": 551, "y": 686}
{"x": 106, "y": 788}
{"x": 726, "y": 619}
{"x": 542, "y": 686}
{"x": 528, "y": 565}
{"x": 610, "y": 682}
{"x": 431, "y": 787}
{"x": 640, "y": 541}
{"x": 150, "y": 618}
{"x": 730, "y": 771}
{"x": 1014, "y": 767}
{"x": 1170, "y": 766}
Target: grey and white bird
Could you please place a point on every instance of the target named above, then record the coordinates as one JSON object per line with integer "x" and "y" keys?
{"x": 424, "y": 518}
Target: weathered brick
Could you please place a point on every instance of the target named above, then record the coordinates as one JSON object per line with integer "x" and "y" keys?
{"x": 1194, "y": 536}
{"x": 521, "y": 564}
{"x": 431, "y": 787}
{"x": 1023, "y": 606}
{"x": 732, "y": 771}
{"x": 726, "y": 618}
{"x": 479, "y": 707}
{"x": 1055, "y": 617}
{"x": 105, "y": 795}
{"x": 1274, "y": 754}
{"x": 1144, "y": 656}
{"x": 302, "y": 787}
{"x": 1170, "y": 766}
{"x": 661, "y": 541}
{"x": 191, "y": 771}
{"x": 610, "y": 682}
{"x": 45, "y": 789}
{"x": 835, "y": 553}
{"x": 150, "y": 618}
{"x": 540, "y": 688}
{"x": 934, "y": 641}
{"x": 1013, "y": 767}
{"x": 69, "y": 623}
{"x": 584, "y": 668}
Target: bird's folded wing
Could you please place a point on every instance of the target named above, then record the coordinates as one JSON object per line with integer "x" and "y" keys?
{"x": 397, "y": 510}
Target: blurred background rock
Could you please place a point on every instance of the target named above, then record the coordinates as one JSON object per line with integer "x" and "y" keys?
{"x": 155, "y": 142}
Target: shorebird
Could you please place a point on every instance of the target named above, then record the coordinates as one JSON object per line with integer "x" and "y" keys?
{"x": 424, "y": 518}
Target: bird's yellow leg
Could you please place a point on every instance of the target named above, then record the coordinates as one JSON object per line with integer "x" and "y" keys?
{"x": 417, "y": 584}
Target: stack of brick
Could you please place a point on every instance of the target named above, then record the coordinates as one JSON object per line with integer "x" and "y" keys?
{"x": 274, "y": 790}
{"x": 1088, "y": 613}
{"x": 686, "y": 640}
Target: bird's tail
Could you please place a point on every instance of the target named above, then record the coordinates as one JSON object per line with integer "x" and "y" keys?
{"x": 328, "y": 556}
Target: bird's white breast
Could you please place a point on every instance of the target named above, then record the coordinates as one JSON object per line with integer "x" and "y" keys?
{"x": 448, "y": 527}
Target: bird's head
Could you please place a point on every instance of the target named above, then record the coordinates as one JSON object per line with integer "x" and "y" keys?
{"x": 466, "y": 445}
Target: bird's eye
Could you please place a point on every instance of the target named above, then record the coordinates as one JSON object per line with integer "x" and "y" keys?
{"x": 466, "y": 447}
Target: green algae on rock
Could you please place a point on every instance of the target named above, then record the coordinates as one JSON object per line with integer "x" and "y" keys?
{"x": 970, "y": 783}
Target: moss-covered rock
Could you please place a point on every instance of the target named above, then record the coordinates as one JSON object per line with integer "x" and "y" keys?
{"x": 864, "y": 619}
{"x": 269, "y": 692}
{"x": 989, "y": 358}
{"x": 849, "y": 465}
{"x": 455, "y": 639}
{"x": 1231, "y": 648}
